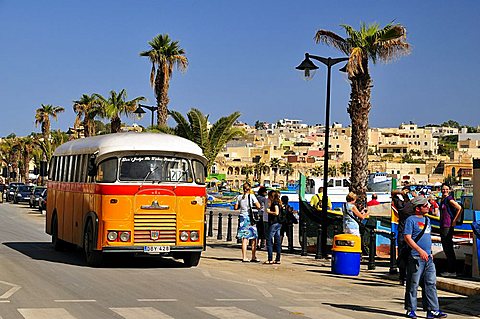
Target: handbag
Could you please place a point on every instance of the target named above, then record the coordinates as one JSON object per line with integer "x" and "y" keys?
{"x": 252, "y": 214}
{"x": 406, "y": 250}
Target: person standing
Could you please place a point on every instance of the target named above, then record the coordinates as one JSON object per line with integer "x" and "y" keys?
{"x": 350, "y": 224}
{"x": 317, "y": 200}
{"x": 247, "y": 231}
{"x": 449, "y": 214}
{"x": 434, "y": 208}
{"x": 373, "y": 201}
{"x": 417, "y": 235}
{"x": 262, "y": 225}
{"x": 274, "y": 226}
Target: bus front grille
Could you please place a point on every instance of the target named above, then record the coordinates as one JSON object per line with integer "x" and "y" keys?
{"x": 155, "y": 228}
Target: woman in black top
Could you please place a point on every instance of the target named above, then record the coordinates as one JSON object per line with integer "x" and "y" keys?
{"x": 274, "y": 227}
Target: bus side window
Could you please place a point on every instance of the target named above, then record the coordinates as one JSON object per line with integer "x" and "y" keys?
{"x": 200, "y": 172}
{"x": 107, "y": 171}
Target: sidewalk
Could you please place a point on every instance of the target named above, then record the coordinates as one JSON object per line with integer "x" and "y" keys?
{"x": 290, "y": 261}
{"x": 460, "y": 285}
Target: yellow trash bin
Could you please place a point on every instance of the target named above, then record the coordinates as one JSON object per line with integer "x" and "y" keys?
{"x": 346, "y": 255}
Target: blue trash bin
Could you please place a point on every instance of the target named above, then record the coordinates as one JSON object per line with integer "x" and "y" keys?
{"x": 346, "y": 255}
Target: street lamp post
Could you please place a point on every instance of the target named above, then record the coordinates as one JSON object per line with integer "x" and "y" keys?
{"x": 308, "y": 67}
{"x": 140, "y": 110}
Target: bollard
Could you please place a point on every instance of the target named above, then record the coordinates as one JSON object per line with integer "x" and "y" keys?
{"x": 393, "y": 255}
{"x": 318, "y": 254}
{"x": 219, "y": 235}
{"x": 304, "y": 237}
{"x": 372, "y": 248}
{"x": 210, "y": 225}
{"x": 229, "y": 228}
{"x": 290, "y": 238}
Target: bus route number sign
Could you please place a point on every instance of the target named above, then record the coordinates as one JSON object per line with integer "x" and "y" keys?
{"x": 156, "y": 249}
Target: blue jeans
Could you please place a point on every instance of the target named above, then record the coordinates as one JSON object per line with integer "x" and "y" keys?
{"x": 274, "y": 233}
{"x": 420, "y": 269}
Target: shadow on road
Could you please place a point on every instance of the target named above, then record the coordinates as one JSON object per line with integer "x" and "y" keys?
{"x": 366, "y": 309}
{"x": 44, "y": 251}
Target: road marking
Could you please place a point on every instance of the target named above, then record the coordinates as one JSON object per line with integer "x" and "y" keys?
{"x": 235, "y": 299}
{"x": 45, "y": 313}
{"x": 152, "y": 300}
{"x": 325, "y": 291}
{"x": 315, "y": 312}
{"x": 11, "y": 291}
{"x": 229, "y": 313}
{"x": 75, "y": 300}
{"x": 141, "y": 312}
{"x": 4, "y": 301}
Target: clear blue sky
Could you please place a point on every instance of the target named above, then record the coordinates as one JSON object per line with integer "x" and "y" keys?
{"x": 242, "y": 56}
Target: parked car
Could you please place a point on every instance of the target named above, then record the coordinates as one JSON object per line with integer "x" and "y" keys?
{"x": 42, "y": 201}
{"x": 22, "y": 194}
{"x": 11, "y": 190}
{"x": 37, "y": 191}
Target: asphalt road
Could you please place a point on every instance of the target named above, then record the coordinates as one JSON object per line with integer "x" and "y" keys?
{"x": 38, "y": 282}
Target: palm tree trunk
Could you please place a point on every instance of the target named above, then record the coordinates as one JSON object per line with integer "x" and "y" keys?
{"x": 161, "y": 93}
{"x": 115, "y": 125}
{"x": 359, "y": 108}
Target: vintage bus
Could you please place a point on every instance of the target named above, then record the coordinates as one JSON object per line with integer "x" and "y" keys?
{"x": 141, "y": 193}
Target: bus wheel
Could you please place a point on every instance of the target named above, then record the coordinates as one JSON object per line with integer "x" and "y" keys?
{"x": 57, "y": 243}
{"x": 191, "y": 259}
{"x": 94, "y": 258}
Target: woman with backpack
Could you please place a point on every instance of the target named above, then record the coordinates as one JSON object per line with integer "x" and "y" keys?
{"x": 450, "y": 212}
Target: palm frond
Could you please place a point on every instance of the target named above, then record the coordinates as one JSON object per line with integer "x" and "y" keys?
{"x": 332, "y": 39}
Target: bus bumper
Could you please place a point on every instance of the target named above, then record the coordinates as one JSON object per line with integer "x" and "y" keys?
{"x": 140, "y": 249}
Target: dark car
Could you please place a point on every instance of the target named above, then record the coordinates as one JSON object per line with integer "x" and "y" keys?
{"x": 12, "y": 187}
{"x": 22, "y": 194}
{"x": 42, "y": 201}
{"x": 36, "y": 193}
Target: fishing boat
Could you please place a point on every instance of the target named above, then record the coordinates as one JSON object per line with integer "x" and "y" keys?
{"x": 379, "y": 182}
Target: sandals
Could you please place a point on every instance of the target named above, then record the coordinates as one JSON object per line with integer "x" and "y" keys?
{"x": 268, "y": 262}
{"x": 245, "y": 261}
{"x": 255, "y": 260}
{"x": 277, "y": 262}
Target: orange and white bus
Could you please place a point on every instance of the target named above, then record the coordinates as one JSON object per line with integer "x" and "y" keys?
{"x": 128, "y": 193}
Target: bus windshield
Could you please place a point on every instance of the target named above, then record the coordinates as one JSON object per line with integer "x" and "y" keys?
{"x": 155, "y": 168}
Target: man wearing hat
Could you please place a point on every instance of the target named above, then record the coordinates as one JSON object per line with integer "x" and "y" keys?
{"x": 417, "y": 235}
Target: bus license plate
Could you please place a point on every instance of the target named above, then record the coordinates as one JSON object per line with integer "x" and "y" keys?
{"x": 156, "y": 249}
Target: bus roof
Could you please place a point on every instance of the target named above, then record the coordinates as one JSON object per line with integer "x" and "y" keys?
{"x": 129, "y": 141}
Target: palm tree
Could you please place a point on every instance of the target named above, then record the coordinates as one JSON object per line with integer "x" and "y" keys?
{"x": 317, "y": 171}
{"x": 286, "y": 169}
{"x": 332, "y": 171}
{"x": 26, "y": 146}
{"x": 115, "y": 106}
{"x": 275, "y": 164}
{"x": 258, "y": 169}
{"x": 247, "y": 170}
{"x": 164, "y": 54}
{"x": 87, "y": 107}
{"x": 369, "y": 43}
{"x": 211, "y": 139}
{"x": 43, "y": 115}
{"x": 345, "y": 168}
{"x": 10, "y": 152}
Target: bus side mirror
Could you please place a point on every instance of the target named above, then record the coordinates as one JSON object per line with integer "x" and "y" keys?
{"x": 91, "y": 168}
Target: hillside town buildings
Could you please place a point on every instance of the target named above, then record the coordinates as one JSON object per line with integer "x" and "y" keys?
{"x": 289, "y": 147}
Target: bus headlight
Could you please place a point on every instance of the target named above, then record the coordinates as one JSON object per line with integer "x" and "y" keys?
{"x": 184, "y": 236}
{"x": 194, "y": 235}
{"x": 112, "y": 235}
{"x": 125, "y": 236}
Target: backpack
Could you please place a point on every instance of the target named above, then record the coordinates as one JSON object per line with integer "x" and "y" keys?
{"x": 318, "y": 205}
{"x": 282, "y": 215}
{"x": 452, "y": 215}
